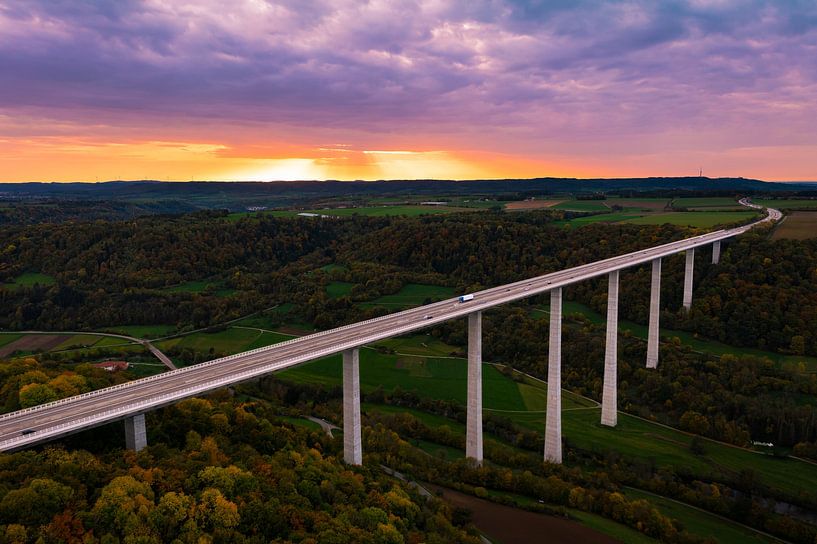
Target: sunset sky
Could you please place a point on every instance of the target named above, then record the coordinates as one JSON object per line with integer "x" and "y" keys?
{"x": 337, "y": 89}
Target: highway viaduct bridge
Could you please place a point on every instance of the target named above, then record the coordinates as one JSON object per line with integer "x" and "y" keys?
{"x": 130, "y": 401}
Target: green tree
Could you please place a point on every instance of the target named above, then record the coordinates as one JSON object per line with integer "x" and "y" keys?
{"x": 124, "y": 506}
{"x": 34, "y": 394}
{"x": 215, "y": 511}
{"x": 36, "y": 503}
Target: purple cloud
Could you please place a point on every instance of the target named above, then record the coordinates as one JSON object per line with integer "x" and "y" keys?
{"x": 534, "y": 73}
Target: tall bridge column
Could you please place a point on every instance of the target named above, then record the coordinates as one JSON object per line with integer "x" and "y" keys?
{"x": 690, "y": 270}
{"x": 136, "y": 437}
{"x": 716, "y": 252}
{"x": 473, "y": 435}
{"x": 609, "y": 400}
{"x": 553, "y": 425}
{"x": 655, "y": 310}
{"x": 352, "y": 444}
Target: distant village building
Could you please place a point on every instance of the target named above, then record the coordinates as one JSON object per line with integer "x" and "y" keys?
{"x": 112, "y": 366}
{"x": 434, "y": 203}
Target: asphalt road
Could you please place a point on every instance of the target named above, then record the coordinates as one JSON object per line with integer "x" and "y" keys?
{"x": 67, "y": 416}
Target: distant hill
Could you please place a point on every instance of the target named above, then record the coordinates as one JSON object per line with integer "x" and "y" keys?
{"x": 239, "y": 195}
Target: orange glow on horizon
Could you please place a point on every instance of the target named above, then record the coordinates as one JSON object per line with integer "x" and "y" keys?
{"x": 77, "y": 159}
{"x": 67, "y": 159}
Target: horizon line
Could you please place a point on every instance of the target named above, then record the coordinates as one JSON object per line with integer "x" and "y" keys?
{"x": 387, "y": 180}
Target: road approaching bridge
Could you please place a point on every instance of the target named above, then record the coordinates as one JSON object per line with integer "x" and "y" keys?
{"x": 130, "y": 401}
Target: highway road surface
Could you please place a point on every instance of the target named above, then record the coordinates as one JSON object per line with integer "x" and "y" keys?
{"x": 48, "y": 421}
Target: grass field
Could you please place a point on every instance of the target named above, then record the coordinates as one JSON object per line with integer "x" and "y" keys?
{"x": 29, "y": 279}
{"x": 429, "y": 377}
{"x": 418, "y": 344}
{"x": 301, "y": 422}
{"x": 200, "y": 287}
{"x": 787, "y": 204}
{"x": 582, "y": 206}
{"x": 110, "y": 341}
{"x": 693, "y": 219}
{"x": 602, "y": 525}
{"x": 524, "y": 403}
{"x": 637, "y": 439}
{"x": 80, "y": 341}
{"x": 697, "y": 343}
{"x": 797, "y": 226}
{"x": 705, "y": 202}
{"x": 228, "y": 341}
{"x": 371, "y": 211}
{"x": 643, "y": 204}
{"x": 258, "y": 321}
{"x": 412, "y": 294}
{"x": 655, "y": 215}
{"x": 700, "y": 523}
{"x": 520, "y": 205}
{"x": 380, "y": 211}
{"x": 142, "y": 331}
{"x": 81, "y": 346}
{"x": 338, "y": 289}
{"x": 8, "y": 338}
{"x": 232, "y": 340}
{"x": 267, "y": 339}
{"x": 600, "y": 218}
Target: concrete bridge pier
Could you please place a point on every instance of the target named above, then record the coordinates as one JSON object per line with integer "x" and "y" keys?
{"x": 352, "y": 444}
{"x": 136, "y": 437}
{"x": 609, "y": 395}
{"x": 553, "y": 425}
{"x": 655, "y": 310}
{"x": 688, "y": 273}
{"x": 473, "y": 434}
{"x": 716, "y": 252}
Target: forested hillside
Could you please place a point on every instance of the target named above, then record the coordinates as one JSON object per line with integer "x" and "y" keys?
{"x": 221, "y": 472}
{"x": 110, "y": 273}
{"x": 228, "y": 468}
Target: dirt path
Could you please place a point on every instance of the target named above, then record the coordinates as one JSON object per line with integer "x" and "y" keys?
{"x": 516, "y": 526}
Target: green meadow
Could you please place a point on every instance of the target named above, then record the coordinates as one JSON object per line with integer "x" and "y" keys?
{"x": 705, "y": 202}
{"x": 615, "y": 217}
{"x": 142, "y": 331}
{"x": 694, "y": 219}
{"x": 787, "y": 204}
{"x": 8, "y": 338}
{"x": 200, "y": 287}
{"x": 524, "y": 402}
{"x": 699, "y": 522}
{"x": 694, "y": 341}
{"x": 29, "y": 279}
{"x": 338, "y": 289}
{"x": 370, "y": 211}
{"x": 582, "y": 206}
{"x": 412, "y": 294}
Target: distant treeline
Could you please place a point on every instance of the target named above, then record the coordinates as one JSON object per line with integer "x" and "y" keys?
{"x": 239, "y": 195}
